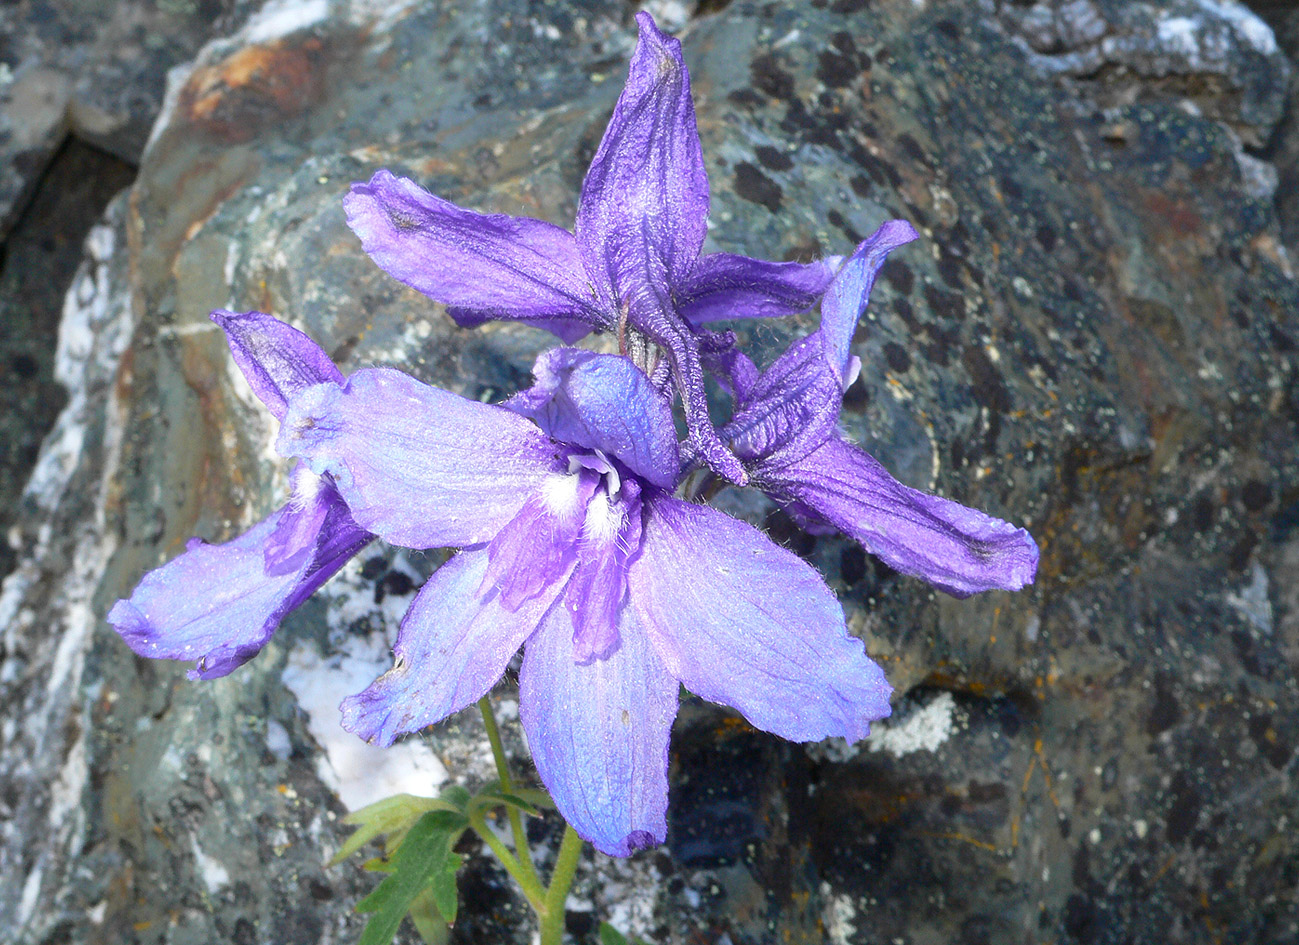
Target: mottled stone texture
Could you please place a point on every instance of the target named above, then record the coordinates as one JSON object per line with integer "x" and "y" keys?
{"x": 1095, "y": 338}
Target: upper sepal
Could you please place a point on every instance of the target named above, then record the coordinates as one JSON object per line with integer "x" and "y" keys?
{"x": 278, "y": 360}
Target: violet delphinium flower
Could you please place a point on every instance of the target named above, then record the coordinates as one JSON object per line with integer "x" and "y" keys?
{"x": 633, "y": 264}
{"x": 575, "y": 546}
{"x": 220, "y": 604}
{"x": 785, "y": 431}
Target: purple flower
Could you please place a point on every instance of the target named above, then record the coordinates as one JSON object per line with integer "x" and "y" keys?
{"x": 633, "y": 264}
{"x": 219, "y": 604}
{"x": 575, "y": 547}
{"x": 785, "y": 431}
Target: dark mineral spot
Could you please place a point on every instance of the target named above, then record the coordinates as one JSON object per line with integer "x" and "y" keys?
{"x": 770, "y": 79}
{"x": 988, "y": 387}
{"x": 773, "y": 158}
{"x": 1184, "y": 810}
{"x": 898, "y": 360}
{"x": 757, "y": 187}
{"x": 899, "y": 275}
{"x": 1255, "y": 495}
{"x": 834, "y": 69}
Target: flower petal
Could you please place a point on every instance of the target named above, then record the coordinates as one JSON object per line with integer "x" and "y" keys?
{"x": 790, "y": 409}
{"x": 723, "y": 285}
{"x": 453, "y": 646}
{"x": 278, "y": 360}
{"x": 646, "y": 187}
{"x": 539, "y": 545}
{"x": 746, "y": 623}
{"x": 957, "y": 549}
{"x": 218, "y": 605}
{"x": 848, "y": 293}
{"x": 497, "y": 266}
{"x": 610, "y": 535}
{"x": 567, "y": 330}
{"x": 599, "y": 733}
{"x": 418, "y": 466}
{"x": 604, "y": 402}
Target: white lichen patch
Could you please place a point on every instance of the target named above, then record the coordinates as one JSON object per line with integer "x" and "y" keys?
{"x": 625, "y": 893}
{"x": 1247, "y": 24}
{"x": 215, "y": 876}
{"x": 924, "y": 729}
{"x": 279, "y": 18}
{"x": 1252, "y": 601}
{"x": 838, "y": 915}
{"x": 357, "y": 772}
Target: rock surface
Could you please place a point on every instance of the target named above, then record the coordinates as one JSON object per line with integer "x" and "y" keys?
{"x": 1095, "y": 338}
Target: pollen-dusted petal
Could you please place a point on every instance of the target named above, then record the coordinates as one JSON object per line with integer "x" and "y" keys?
{"x": 604, "y": 402}
{"x": 599, "y": 733}
{"x": 418, "y": 466}
{"x": 957, "y": 549}
{"x": 278, "y": 360}
{"x": 746, "y": 623}
{"x": 646, "y": 188}
{"x": 848, "y": 293}
{"x": 492, "y": 265}
{"x": 217, "y": 604}
{"x": 723, "y": 285}
{"x": 452, "y": 647}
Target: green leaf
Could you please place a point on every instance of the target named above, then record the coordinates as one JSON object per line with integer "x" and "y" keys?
{"x": 429, "y": 923}
{"x": 494, "y": 797}
{"x": 424, "y": 853}
{"x": 611, "y": 936}
{"x": 456, "y": 796}
{"x": 392, "y": 815}
{"x": 443, "y": 888}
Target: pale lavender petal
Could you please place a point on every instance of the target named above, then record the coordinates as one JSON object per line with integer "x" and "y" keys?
{"x": 216, "y": 604}
{"x": 603, "y": 401}
{"x": 539, "y": 545}
{"x": 847, "y": 295}
{"x": 723, "y": 285}
{"x": 646, "y": 188}
{"x": 746, "y": 623}
{"x": 278, "y": 360}
{"x": 595, "y": 594}
{"x": 418, "y": 466}
{"x": 957, "y": 549}
{"x": 453, "y": 646}
{"x": 497, "y": 266}
{"x": 599, "y": 733}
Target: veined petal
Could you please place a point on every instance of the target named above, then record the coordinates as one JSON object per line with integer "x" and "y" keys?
{"x": 647, "y": 183}
{"x": 957, "y": 549}
{"x": 598, "y": 587}
{"x": 497, "y": 266}
{"x": 218, "y": 605}
{"x": 746, "y": 623}
{"x": 418, "y": 466}
{"x": 723, "y": 285}
{"x": 599, "y": 733}
{"x": 604, "y": 402}
{"x": 278, "y": 360}
{"x": 847, "y": 295}
{"x": 790, "y": 409}
{"x": 453, "y": 646}
{"x": 539, "y": 545}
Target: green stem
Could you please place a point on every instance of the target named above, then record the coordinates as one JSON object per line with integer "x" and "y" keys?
{"x": 531, "y": 887}
{"x": 561, "y": 881}
{"x": 521, "y": 849}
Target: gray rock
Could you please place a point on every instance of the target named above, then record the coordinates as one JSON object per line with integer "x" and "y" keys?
{"x": 95, "y": 70}
{"x": 1094, "y": 338}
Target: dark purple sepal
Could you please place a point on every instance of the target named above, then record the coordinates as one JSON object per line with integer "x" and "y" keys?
{"x": 957, "y": 549}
